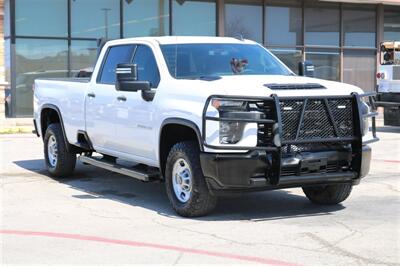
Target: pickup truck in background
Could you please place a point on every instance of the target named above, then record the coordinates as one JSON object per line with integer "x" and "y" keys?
{"x": 388, "y": 77}
{"x": 208, "y": 116}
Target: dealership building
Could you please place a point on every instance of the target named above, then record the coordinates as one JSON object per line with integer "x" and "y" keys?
{"x": 57, "y": 38}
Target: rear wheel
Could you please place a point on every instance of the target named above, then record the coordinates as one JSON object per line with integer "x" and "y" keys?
{"x": 328, "y": 195}
{"x": 59, "y": 162}
{"x": 185, "y": 183}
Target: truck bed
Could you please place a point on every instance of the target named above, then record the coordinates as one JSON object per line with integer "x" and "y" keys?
{"x": 68, "y": 95}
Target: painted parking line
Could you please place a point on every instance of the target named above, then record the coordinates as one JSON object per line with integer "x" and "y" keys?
{"x": 148, "y": 245}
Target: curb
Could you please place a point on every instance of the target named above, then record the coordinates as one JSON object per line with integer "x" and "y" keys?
{"x": 16, "y": 130}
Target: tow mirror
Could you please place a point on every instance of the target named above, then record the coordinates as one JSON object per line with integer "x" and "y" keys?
{"x": 127, "y": 79}
{"x": 306, "y": 69}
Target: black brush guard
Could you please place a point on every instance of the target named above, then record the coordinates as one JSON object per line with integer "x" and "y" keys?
{"x": 279, "y": 142}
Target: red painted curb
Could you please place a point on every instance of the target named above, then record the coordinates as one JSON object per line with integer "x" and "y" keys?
{"x": 148, "y": 245}
{"x": 387, "y": 161}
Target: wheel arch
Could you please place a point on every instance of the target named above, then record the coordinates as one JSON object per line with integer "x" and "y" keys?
{"x": 172, "y": 131}
{"x": 49, "y": 114}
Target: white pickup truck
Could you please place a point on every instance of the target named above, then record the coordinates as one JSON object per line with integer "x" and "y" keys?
{"x": 208, "y": 116}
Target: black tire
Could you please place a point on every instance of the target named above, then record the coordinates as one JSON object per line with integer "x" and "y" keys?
{"x": 200, "y": 202}
{"x": 66, "y": 161}
{"x": 328, "y": 195}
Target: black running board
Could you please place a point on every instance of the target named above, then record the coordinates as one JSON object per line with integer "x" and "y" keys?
{"x": 114, "y": 167}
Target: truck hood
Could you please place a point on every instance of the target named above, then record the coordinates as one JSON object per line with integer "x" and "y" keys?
{"x": 257, "y": 85}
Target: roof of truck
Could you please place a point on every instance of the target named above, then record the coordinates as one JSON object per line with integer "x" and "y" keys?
{"x": 187, "y": 39}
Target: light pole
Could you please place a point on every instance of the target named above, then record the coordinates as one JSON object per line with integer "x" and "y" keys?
{"x": 106, "y": 20}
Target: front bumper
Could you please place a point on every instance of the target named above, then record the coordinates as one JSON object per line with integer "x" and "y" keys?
{"x": 252, "y": 171}
{"x": 292, "y": 160}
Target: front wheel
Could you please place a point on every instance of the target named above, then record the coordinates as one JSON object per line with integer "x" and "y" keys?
{"x": 59, "y": 162}
{"x": 184, "y": 181}
{"x": 328, "y": 195}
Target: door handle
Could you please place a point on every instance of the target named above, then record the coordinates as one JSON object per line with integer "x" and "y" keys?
{"x": 91, "y": 95}
{"x": 121, "y": 98}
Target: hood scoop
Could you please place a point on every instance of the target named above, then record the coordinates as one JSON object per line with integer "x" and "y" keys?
{"x": 301, "y": 86}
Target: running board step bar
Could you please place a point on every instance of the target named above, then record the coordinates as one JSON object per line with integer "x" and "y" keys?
{"x": 117, "y": 168}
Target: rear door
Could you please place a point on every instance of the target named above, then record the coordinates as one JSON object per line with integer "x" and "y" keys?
{"x": 102, "y": 113}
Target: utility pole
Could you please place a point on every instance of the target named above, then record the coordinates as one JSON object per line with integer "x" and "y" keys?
{"x": 106, "y": 10}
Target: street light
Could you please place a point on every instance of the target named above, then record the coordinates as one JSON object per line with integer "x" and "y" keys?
{"x": 106, "y": 10}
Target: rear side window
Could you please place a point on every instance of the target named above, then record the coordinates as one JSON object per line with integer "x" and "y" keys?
{"x": 116, "y": 55}
{"x": 147, "y": 65}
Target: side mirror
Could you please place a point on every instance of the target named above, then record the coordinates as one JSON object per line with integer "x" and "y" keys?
{"x": 127, "y": 76}
{"x": 306, "y": 69}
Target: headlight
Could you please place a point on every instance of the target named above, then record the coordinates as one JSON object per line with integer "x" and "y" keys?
{"x": 230, "y": 132}
{"x": 365, "y": 123}
{"x": 228, "y": 127}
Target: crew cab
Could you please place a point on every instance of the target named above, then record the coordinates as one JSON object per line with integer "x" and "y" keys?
{"x": 209, "y": 116}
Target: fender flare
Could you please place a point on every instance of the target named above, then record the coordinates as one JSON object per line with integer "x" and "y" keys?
{"x": 182, "y": 122}
{"x": 54, "y": 108}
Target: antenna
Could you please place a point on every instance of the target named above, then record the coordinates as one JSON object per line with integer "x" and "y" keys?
{"x": 239, "y": 36}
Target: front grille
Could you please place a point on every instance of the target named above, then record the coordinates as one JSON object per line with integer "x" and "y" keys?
{"x": 310, "y": 119}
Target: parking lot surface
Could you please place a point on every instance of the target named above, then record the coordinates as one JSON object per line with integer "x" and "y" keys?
{"x": 97, "y": 217}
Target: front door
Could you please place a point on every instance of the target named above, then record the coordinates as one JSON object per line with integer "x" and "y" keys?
{"x": 136, "y": 133}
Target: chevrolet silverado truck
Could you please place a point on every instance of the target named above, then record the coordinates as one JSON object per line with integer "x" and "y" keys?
{"x": 209, "y": 116}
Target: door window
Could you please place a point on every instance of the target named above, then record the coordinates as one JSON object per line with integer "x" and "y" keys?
{"x": 116, "y": 55}
{"x": 147, "y": 66}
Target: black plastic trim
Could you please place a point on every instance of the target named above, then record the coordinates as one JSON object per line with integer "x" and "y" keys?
{"x": 36, "y": 132}
{"x": 55, "y": 108}
{"x": 182, "y": 122}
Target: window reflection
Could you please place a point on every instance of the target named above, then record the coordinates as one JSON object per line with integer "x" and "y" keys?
{"x": 95, "y": 19}
{"x": 322, "y": 25}
{"x": 146, "y": 18}
{"x": 284, "y": 23}
{"x": 194, "y": 17}
{"x": 244, "y": 18}
{"x": 326, "y": 63}
{"x": 41, "y": 18}
{"x": 359, "y": 27}
{"x": 392, "y": 23}
{"x": 359, "y": 68}
{"x": 37, "y": 59}
{"x": 83, "y": 56}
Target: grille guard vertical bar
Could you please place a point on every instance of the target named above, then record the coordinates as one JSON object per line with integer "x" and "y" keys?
{"x": 372, "y": 114}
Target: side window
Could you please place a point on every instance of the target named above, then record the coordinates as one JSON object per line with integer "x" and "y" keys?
{"x": 116, "y": 55}
{"x": 147, "y": 65}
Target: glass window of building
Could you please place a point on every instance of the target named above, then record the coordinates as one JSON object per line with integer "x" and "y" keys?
{"x": 146, "y": 18}
{"x": 322, "y": 24}
{"x": 359, "y": 25}
{"x": 244, "y": 18}
{"x": 37, "y": 59}
{"x": 359, "y": 68}
{"x": 392, "y": 23}
{"x": 6, "y": 19}
{"x": 41, "y": 18}
{"x": 83, "y": 56}
{"x": 95, "y": 19}
{"x": 326, "y": 62}
{"x": 192, "y": 17}
{"x": 283, "y": 23}
{"x": 290, "y": 57}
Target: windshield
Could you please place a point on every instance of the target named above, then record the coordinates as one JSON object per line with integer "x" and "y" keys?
{"x": 191, "y": 61}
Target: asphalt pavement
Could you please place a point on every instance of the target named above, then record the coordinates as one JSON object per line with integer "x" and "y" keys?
{"x": 97, "y": 217}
